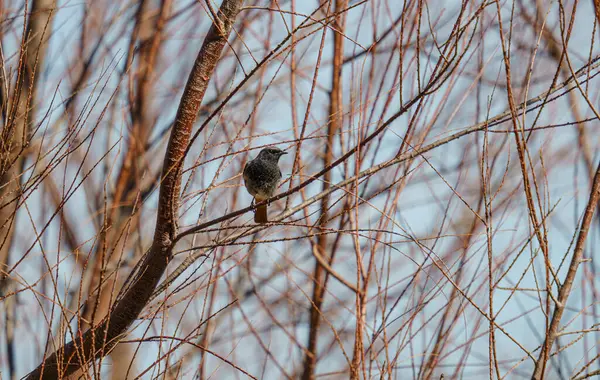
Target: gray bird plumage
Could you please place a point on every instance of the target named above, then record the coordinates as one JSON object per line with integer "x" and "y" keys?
{"x": 261, "y": 177}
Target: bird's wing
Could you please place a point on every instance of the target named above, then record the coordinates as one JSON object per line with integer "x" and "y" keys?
{"x": 245, "y": 172}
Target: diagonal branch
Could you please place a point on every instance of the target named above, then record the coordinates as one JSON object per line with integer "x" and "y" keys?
{"x": 524, "y": 107}
{"x": 98, "y": 341}
{"x": 565, "y": 290}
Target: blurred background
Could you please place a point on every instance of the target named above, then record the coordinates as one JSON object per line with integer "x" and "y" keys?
{"x": 446, "y": 149}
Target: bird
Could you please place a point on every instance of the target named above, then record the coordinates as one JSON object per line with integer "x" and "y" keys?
{"x": 261, "y": 177}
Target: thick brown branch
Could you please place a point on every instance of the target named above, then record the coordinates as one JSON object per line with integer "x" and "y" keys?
{"x": 98, "y": 341}
{"x": 333, "y": 128}
{"x": 15, "y": 133}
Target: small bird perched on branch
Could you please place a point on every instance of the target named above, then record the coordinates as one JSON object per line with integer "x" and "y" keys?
{"x": 261, "y": 177}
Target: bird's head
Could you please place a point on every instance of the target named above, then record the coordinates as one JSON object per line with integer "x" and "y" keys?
{"x": 271, "y": 154}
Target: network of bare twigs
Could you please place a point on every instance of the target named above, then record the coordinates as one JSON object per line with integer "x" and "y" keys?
{"x": 436, "y": 217}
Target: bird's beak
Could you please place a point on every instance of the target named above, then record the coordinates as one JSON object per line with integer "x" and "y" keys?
{"x": 282, "y": 153}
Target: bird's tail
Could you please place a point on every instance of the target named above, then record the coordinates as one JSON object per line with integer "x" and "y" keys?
{"x": 260, "y": 216}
